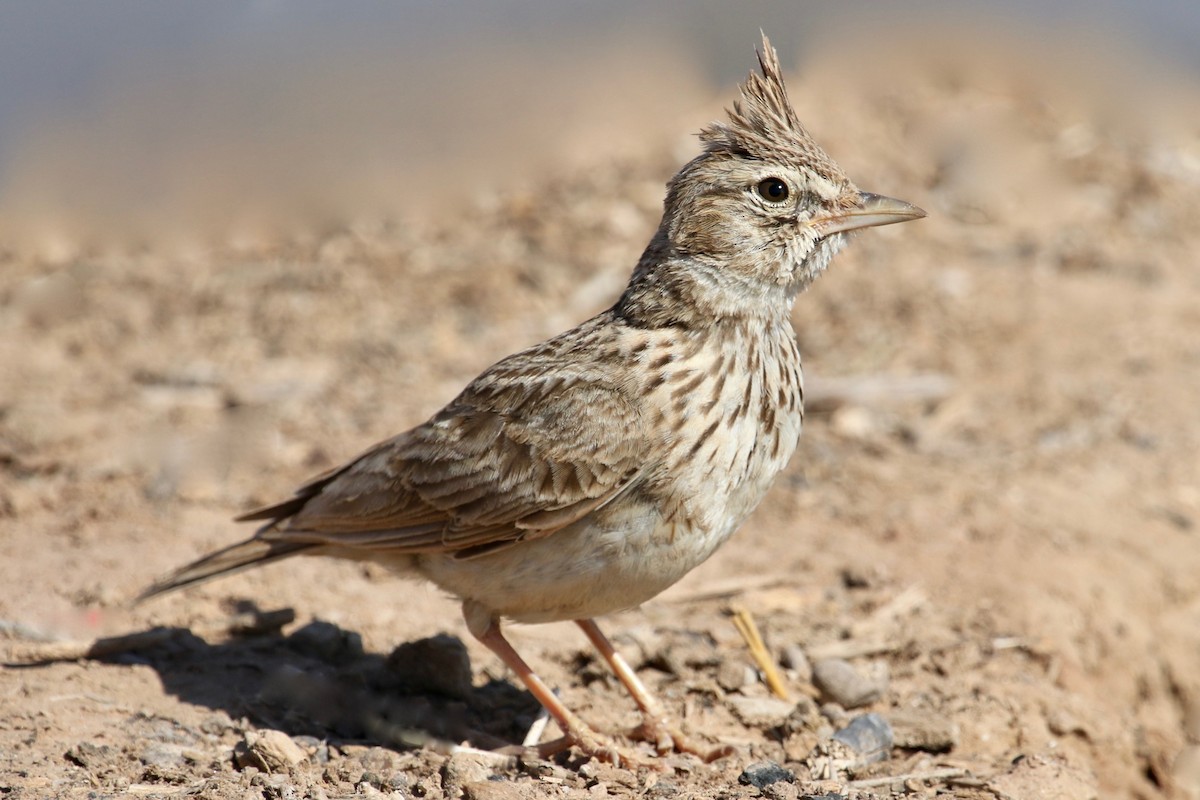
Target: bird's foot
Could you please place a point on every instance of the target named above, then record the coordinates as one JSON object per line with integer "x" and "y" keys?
{"x": 667, "y": 738}
{"x": 594, "y": 745}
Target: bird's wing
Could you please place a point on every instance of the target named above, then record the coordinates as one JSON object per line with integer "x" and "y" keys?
{"x": 508, "y": 460}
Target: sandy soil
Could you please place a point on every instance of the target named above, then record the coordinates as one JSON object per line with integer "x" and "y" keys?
{"x": 1008, "y": 555}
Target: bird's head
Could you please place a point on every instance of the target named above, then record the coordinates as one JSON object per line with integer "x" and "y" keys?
{"x": 763, "y": 209}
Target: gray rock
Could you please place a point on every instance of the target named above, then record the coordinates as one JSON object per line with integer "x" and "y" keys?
{"x": 794, "y": 658}
{"x": 761, "y": 712}
{"x": 839, "y": 681}
{"x": 868, "y": 738}
{"x": 923, "y": 730}
{"x": 733, "y": 675}
{"x": 162, "y": 756}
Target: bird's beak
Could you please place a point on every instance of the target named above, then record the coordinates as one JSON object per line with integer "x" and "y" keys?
{"x": 872, "y": 210}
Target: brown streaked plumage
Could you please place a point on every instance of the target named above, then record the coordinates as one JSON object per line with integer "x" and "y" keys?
{"x": 588, "y": 473}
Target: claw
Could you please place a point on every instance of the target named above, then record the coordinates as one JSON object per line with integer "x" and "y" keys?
{"x": 666, "y": 738}
{"x": 593, "y": 745}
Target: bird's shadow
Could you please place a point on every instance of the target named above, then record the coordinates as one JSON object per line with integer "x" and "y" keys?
{"x": 318, "y": 681}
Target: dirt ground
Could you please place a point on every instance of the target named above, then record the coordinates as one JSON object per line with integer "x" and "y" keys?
{"x": 993, "y": 515}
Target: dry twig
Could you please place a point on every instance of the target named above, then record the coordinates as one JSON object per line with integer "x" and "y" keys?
{"x": 749, "y": 631}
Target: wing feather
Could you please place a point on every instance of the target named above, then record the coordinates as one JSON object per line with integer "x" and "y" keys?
{"x": 508, "y": 460}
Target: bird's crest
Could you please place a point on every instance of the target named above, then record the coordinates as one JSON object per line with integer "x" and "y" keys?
{"x": 764, "y": 126}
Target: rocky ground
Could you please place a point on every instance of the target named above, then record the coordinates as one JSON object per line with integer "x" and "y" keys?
{"x": 987, "y": 542}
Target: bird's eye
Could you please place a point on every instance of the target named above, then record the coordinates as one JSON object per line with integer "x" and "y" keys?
{"x": 773, "y": 190}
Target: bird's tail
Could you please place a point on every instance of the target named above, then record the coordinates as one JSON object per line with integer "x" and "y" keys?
{"x": 243, "y": 555}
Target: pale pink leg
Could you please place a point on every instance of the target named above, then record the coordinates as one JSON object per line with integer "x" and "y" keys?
{"x": 576, "y": 732}
{"x": 656, "y": 728}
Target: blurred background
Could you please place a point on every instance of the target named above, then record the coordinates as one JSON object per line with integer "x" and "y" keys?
{"x": 130, "y": 121}
{"x": 239, "y": 242}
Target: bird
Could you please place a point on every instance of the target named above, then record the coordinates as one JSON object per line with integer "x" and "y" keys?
{"x": 586, "y": 474}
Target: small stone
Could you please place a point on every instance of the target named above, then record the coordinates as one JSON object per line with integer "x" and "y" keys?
{"x": 327, "y": 641}
{"x": 316, "y": 749}
{"x": 760, "y": 712}
{"x": 377, "y": 760}
{"x": 923, "y": 730}
{"x": 734, "y": 675}
{"x": 463, "y": 769}
{"x": 804, "y": 717}
{"x": 367, "y": 789}
{"x": 836, "y": 715}
{"x": 616, "y": 776}
{"x": 794, "y": 658}
{"x": 781, "y": 791}
{"x": 438, "y": 664}
{"x": 663, "y": 789}
{"x": 91, "y": 755}
{"x": 162, "y": 756}
{"x": 868, "y": 738}
{"x": 268, "y": 750}
{"x": 839, "y": 681}
{"x": 216, "y": 724}
{"x": 764, "y": 774}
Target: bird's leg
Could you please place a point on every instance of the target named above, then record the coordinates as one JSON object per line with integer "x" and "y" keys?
{"x": 576, "y": 732}
{"x": 656, "y": 728}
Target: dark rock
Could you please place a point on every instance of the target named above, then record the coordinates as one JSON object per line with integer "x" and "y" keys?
{"x": 764, "y": 774}
{"x": 327, "y": 641}
{"x": 438, "y": 664}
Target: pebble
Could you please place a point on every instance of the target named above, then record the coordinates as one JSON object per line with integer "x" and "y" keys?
{"x": 317, "y": 749}
{"x": 839, "y": 681}
{"x": 835, "y": 714}
{"x": 734, "y": 675}
{"x": 764, "y": 774}
{"x": 923, "y": 730}
{"x": 868, "y": 738}
{"x": 804, "y": 717}
{"x": 162, "y": 756}
{"x": 793, "y": 658}
{"x": 463, "y": 769}
{"x": 760, "y": 712}
{"x": 327, "y": 641}
{"x": 268, "y": 750}
{"x": 438, "y": 664}
{"x": 216, "y": 724}
{"x": 91, "y": 755}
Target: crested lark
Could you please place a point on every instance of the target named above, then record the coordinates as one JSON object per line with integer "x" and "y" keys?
{"x": 588, "y": 473}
